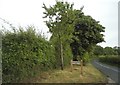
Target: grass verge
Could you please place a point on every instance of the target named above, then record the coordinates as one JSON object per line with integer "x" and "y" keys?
{"x": 90, "y": 75}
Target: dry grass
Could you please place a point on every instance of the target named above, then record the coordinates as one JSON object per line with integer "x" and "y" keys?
{"x": 90, "y": 75}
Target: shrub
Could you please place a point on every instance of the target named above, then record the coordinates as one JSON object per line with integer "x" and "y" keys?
{"x": 67, "y": 54}
{"x": 86, "y": 58}
{"x": 24, "y": 53}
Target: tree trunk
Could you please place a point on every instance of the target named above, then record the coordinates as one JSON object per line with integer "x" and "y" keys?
{"x": 61, "y": 49}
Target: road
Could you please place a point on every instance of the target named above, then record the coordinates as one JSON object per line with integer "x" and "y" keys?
{"x": 110, "y": 71}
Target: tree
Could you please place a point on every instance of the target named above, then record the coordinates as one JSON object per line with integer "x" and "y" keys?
{"x": 118, "y": 50}
{"x": 98, "y": 50}
{"x": 110, "y": 51}
{"x": 115, "y": 50}
{"x": 87, "y": 32}
{"x": 70, "y": 25}
{"x": 61, "y": 23}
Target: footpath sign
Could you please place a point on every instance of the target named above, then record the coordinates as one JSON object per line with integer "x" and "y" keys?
{"x": 77, "y": 63}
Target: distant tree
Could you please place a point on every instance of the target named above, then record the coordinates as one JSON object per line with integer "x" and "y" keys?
{"x": 115, "y": 50}
{"x": 108, "y": 51}
{"x": 118, "y": 50}
{"x": 98, "y": 50}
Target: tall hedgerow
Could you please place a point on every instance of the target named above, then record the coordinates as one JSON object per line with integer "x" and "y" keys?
{"x": 24, "y": 53}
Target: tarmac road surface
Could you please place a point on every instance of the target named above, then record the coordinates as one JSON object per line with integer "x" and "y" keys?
{"x": 110, "y": 71}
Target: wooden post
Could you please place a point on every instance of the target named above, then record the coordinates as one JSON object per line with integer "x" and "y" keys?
{"x": 61, "y": 51}
{"x": 71, "y": 65}
{"x": 81, "y": 67}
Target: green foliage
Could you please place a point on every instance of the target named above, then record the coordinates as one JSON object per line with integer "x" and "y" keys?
{"x": 0, "y": 47}
{"x": 67, "y": 54}
{"x": 108, "y": 55}
{"x": 70, "y": 25}
{"x": 87, "y": 33}
{"x": 0, "y": 58}
{"x": 61, "y": 22}
{"x": 98, "y": 50}
{"x": 112, "y": 60}
{"x": 108, "y": 51}
{"x": 86, "y": 58}
{"x": 24, "y": 53}
{"x": 118, "y": 50}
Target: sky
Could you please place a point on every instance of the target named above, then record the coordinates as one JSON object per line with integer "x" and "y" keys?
{"x": 30, "y": 12}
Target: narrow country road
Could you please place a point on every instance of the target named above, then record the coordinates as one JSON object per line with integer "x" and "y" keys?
{"x": 110, "y": 71}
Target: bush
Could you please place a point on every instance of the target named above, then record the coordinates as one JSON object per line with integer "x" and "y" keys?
{"x": 67, "y": 54}
{"x": 86, "y": 58}
{"x": 24, "y": 53}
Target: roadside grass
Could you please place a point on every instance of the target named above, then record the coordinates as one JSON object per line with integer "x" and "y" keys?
{"x": 90, "y": 75}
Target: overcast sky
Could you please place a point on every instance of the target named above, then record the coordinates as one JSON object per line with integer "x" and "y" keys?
{"x": 30, "y": 12}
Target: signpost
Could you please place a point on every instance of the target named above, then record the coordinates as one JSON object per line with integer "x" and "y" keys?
{"x": 81, "y": 67}
{"x": 77, "y": 63}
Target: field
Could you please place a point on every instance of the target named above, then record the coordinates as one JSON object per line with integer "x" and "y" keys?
{"x": 90, "y": 75}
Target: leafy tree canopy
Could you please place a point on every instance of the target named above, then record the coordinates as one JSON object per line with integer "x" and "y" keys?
{"x": 68, "y": 24}
{"x": 87, "y": 33}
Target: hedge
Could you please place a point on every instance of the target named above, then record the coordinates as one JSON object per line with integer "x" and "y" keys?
{"x": 24, "y": 53}
{"x": 113, "y": 60}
